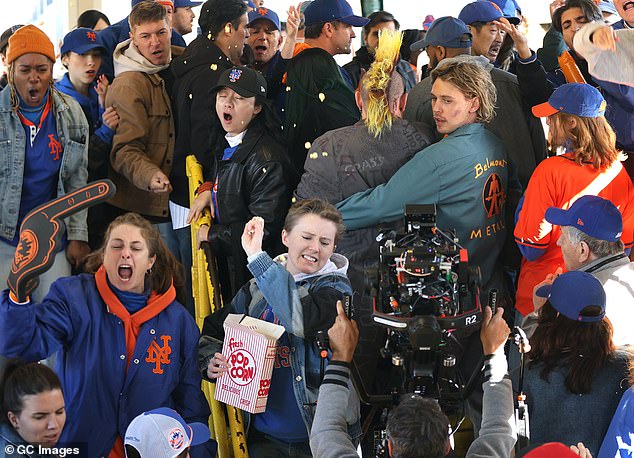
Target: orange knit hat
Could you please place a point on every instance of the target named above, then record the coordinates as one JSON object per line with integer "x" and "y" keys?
{"x": 29, "y": 39}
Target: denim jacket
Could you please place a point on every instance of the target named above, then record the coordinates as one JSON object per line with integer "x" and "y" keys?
{"x": 303, "y": 307}
{"x": 72, "y": 130}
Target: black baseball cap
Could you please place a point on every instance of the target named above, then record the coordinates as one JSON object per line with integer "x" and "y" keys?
{"x": 244, "y": 80}
{"x": 4, "y": 38}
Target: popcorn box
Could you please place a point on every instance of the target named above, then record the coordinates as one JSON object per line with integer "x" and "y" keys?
{"x": 250, "y": 346}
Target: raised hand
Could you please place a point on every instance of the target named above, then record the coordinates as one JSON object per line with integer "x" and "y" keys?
{"x": 252, "y": 235}
{"x": 102, "y": 88}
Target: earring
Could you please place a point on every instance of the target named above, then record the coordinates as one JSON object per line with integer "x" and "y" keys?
{"x": 227, "y": 28}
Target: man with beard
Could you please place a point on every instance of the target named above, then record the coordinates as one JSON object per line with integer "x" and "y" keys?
{"x": 329, "y": 26}
{"x": 183, "y": 18}
{"x": 379, "y": 21}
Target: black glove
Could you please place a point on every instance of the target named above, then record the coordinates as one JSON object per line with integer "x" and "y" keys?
{"x": 41, "y": 233}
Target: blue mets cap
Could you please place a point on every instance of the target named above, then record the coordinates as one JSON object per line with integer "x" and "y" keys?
{"x": 508, "y": 8}
{"x": 266, "y": 14}
{"x": 446, "y": 31}
{"x": 480, "y": 12}
{"x": 572, "y": 292}
{"x": 592, "y": 215}
{"x": 81, "y": 41}
{"x": 185, "y": 3}
{"x": 573, "y": 98}
{"x": 332, "y": 10}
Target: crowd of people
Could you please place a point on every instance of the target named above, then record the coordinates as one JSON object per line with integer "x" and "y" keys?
{"x": 304, "y": 162}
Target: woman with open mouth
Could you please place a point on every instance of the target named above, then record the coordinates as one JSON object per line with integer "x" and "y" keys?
{"x": 125, "y": 344}
{"x": 297, "y": 290}
{"x": 248, "y": 174}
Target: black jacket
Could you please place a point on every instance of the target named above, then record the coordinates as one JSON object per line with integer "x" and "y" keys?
{"x": 362, "y": 61}
{"x": 196, "y": 71}
{"x": 256, "y": 181}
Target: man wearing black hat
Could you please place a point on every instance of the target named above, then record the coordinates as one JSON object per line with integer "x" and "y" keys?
{"x": 4, "y": 42}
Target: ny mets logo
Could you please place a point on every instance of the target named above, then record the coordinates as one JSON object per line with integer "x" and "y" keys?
{"x": 159, "y": 355}
{"x": 263, "y": 11}
{"x": 26, "y": 250}
{"x": 493, "y": 196}
{"x": 92, "y": 36}
{"x": 55, "y": 146}
{"x": 176, "y": 438}
{"x": 235, "y": 75}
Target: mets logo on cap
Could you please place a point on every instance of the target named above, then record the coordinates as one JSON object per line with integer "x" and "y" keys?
{"x": 176, "y": 438}
{"x": 235, "y": 75}
{"x": 263, "y": 11}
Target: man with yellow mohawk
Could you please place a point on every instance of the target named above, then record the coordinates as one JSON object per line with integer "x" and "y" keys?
{"x": 351, "y": 159}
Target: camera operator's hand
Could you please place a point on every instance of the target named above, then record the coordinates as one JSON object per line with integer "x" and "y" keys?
{"x": 343, "y": 336}
{"x": 495, "y": 332}
{"x": 581, "y": 450}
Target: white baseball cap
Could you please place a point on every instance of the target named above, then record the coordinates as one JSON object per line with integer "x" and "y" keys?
{"x": 162, "y": 433}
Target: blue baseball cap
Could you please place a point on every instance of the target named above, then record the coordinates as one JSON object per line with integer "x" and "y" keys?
{"x": 267, "y": 14}
{"x": 592, "y": 215}
{"x": 480, "y": 12}
{"x": 332, "y": 10}
{"x": 572, "y": 292}
{"x": 573, "y": 98}
{"x": 81, "y": 40}
{"x": 508, "y": 10}
{"x": 606, "y": 6}
{"x": 445, "y": 31}
{"x": 185, "y": 3}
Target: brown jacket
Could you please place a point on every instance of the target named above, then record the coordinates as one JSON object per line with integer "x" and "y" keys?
{"x": 144, "y": 141}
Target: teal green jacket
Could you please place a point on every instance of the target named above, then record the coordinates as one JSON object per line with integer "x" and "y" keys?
{"x": 466, "y": 176}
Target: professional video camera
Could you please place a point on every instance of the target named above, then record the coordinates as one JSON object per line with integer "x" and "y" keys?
{"x": 427, "y": 297}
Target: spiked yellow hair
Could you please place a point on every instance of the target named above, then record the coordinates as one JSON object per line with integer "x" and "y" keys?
{"x": 376, "y": 82}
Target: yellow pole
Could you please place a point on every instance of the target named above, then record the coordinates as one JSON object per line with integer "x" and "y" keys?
{"x": 207, "y": 299}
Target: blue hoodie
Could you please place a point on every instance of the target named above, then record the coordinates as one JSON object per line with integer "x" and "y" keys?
{"x": 90, "y": 107}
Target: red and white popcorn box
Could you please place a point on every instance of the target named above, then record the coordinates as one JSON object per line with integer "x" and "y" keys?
{"x": 250, "y": 346}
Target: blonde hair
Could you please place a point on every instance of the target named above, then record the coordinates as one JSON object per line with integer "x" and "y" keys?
{"x": 378, "y": 83}
{"x": 473, "y": 81}
{"x": 593, "y": 140}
